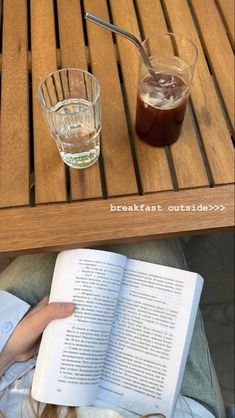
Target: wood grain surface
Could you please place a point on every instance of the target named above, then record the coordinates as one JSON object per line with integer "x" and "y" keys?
{"x": 153, "y": 165}
{"x": 85, "y": 184}
{"x": 46, "y": 206}
{"x": 208, "y": 112}
{"x": 227, "y": 10}
{"x": 118, "y": 162}
{"x": 99, "y": 225}
{"x": 186, "y": 155}
{"x": 218, "y": 50}
{"x": 50, "y": 181}
{"x": 14, "y": 133}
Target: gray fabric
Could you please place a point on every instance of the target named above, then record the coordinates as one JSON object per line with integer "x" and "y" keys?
{"x": 29, "y": 277}
{"x": 230, "y": 411}
{"x": 197, "y": 382}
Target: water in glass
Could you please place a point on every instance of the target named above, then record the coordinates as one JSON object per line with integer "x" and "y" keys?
{"x": 77, "y": 135}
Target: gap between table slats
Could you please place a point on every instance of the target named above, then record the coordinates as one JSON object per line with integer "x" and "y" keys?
{"x": 79, "y": 187}
{"x": 14, "y": 144}
{"x": 116, "y": 150}
{"x": 186, "y": 155}
{"x": 226, "y": 8}
{"x": 50, "y": 180}
{"x": 153, "y": 165}
{"x": 58, "y": 55}
{"x": 218, "y": 50}
{"x": 85, "y": 184}
{"x": 216, "y": 140}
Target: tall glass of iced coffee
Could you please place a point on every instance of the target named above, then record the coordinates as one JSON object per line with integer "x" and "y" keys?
{"x": 163, "y": 95}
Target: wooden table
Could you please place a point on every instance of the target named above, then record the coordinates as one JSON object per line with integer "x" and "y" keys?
{"x": 46, "y": 206}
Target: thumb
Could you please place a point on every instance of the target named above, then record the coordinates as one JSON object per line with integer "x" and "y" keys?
{"x": 54, "y": 310}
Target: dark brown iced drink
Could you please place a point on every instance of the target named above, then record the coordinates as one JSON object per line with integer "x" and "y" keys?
{"x": 161, "y": 105}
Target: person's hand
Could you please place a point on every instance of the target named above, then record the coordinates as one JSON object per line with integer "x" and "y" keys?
{"x": 24, "y": 341}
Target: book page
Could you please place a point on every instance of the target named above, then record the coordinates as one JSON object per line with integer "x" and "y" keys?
{"x": 150, "y": 338}
{"x": 72, "y": 351}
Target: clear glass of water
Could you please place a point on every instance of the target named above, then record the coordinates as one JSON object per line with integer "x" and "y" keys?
{"x": 70, "y": 100}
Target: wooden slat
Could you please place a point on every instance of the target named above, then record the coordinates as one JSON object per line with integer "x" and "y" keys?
{"x": 216, "y": 139}
{"x": 49, "y": 169}
{"x": 226, "y": 8}
{"x": 154, "y": 170}
{"x": 116, "y": 151}
{"x": 48, "y": 233}
{"x": 14, "y": 144}
{"x": 216, "y": 44}
{"x": 186, "y": 155}
{"x": 58, "y": 58}
{"x": 85, "y": 184}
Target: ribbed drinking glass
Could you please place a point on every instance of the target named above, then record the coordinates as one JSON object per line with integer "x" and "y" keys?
{"x": 70, "y": 100}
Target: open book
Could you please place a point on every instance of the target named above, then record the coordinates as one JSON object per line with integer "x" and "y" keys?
{"x": 128, "y": 339}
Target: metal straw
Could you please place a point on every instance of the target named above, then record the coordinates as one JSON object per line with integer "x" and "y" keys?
{"x": 127, "y": 35}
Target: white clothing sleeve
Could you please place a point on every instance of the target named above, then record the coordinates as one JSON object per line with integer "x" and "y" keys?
{"x": 12, "y": 310}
